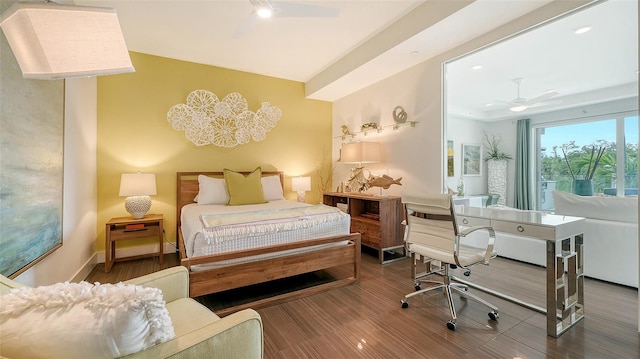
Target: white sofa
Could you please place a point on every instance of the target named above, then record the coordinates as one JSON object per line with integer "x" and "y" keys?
{"x": 610, "y": 237}
{"x": 610, "y": 234}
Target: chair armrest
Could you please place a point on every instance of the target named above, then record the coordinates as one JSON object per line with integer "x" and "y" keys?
{"x": 6, "y": 285}
{"x": 490, "y": 243}
{"x": 174, "y": 282}
{"x": 238, "y": 335}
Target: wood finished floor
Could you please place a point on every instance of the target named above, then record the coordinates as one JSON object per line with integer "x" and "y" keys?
{"x": 366, "y": 320}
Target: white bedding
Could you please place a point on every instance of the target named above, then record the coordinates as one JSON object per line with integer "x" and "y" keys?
{"x": 197, "y": 245}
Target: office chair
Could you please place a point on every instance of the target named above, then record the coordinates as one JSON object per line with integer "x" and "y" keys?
{"x": 432, "y": 233}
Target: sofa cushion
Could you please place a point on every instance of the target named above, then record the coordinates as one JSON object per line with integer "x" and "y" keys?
{"x": 619, "y": 209}
{"x": 82, "y": 320}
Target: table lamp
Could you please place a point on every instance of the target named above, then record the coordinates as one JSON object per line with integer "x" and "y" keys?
{"x": 360, "y": 153}
{"x": 301, "y": 185}
{"x": 137, "y": 187}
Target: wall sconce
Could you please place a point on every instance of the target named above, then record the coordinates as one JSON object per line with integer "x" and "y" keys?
{"x": 52, "y": 41}
{"x": 301, "y": 185}
{"x": 137, "y": 187}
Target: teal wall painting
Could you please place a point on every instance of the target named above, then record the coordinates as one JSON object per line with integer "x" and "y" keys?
{"x": 31, "y": 165}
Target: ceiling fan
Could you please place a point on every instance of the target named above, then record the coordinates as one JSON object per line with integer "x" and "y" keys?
{"x": 520, "y": 104}
{"x": 266, "y": 8}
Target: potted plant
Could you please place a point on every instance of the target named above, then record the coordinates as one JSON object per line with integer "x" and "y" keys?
{"x": 496, "y": 167}
{"x": 493, "y": 149}
{"x": 582, "y": 184}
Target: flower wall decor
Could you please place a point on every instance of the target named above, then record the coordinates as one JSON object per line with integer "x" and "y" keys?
{"x": 207, "y": 120}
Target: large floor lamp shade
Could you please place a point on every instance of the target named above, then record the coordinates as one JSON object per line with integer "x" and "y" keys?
{"x": 137, "y": 187}
{"x": 53, "y": 41}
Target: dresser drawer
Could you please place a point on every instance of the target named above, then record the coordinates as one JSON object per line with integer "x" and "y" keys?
{"x": 522, "y": 229}
{"x": 370, "y": 231}
{"x": 472, "y": 221}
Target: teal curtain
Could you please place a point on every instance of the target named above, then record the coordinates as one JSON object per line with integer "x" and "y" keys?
{"x": 523, "y": 198}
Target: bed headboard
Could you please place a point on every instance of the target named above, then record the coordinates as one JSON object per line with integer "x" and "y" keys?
{"x": 187, "y": 183}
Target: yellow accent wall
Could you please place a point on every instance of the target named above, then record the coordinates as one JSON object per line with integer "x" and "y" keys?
{"x": 134, "y": 134}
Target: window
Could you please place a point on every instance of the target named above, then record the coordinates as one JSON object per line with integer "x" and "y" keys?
{"x": 602, "y": 151}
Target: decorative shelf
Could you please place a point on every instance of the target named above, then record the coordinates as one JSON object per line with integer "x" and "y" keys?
{"x": 394, "y": 126}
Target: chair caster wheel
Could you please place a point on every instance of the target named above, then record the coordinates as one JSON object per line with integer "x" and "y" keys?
{"x": 405, "y": 304}
{"x": 417, "y": 287}
{"x": 451, "y": 325}
{"x": 494, "y": 315}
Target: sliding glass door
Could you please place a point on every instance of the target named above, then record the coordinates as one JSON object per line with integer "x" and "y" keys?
{"x": 589, "y": 156}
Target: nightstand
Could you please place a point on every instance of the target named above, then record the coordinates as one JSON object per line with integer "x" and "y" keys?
{"x": 123, "y": 228}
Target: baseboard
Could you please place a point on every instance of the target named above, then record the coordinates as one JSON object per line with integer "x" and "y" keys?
{"x": 136, "y": 251}
{"x": 86, "y": 269}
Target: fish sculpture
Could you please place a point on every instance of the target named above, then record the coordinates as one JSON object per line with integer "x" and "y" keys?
{"x": 384, "y": 181}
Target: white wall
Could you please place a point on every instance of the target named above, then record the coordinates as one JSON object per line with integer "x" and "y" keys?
{"x": 75, "y": 259}
{"x": 465, "y": 131}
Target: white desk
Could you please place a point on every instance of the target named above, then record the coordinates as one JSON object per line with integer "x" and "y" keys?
{"x": 565, "y": 290}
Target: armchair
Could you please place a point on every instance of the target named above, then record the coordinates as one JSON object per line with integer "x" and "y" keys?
{"x": 199, "y": 333}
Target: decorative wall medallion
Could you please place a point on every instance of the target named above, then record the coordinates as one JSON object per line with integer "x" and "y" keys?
{"x": 227, "y": 123}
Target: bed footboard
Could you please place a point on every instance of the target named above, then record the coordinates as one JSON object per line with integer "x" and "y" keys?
{"x": 218, "y": 279}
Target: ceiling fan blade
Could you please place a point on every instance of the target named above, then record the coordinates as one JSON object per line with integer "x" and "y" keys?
{"x": 546, "y": 103}
{"x": 249, "y": 23}
{"x": 290, "y": 9}
{"x": 542, "y": 98}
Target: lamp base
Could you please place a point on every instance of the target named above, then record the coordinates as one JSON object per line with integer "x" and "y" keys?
{"x": 301, "y": 196}
{"x": 137, "y": 206}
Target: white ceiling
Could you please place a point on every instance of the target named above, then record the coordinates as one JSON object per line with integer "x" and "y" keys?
{"x": 334, "y": 56}
{"x": 597, "y": 66}
{"x": 309, "y": 49}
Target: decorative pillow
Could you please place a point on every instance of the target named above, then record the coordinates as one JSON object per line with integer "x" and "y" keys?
{"x": 244, "y": 189}
{"x": 212, "y": 191}
{"x": 82, "y": 320}
{"x": 272, "y": 188}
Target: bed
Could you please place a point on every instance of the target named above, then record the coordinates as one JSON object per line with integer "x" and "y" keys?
{"x": 218, "y": 264}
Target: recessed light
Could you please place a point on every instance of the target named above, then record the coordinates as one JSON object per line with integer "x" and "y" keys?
{"x": 477, "y": 67}
{"x": 415, "y": 52}
{"x": 582, "y": 30}
{"x": 488, "y": 104}
{"x": 264, "y": 11}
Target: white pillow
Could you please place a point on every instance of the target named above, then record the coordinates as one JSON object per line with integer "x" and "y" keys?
{"x": 82, "y": 320}
{"x": 212, "y": 191}
{"x": 272, "y": 188}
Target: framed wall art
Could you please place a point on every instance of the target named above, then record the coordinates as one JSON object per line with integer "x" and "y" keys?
{"x": 31, "y": 166}
{"x": 471, "y": 159}
{"x": 450, "y": 163}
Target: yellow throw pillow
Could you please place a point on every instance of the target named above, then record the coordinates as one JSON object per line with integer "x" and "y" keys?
{"x": 244, "y": 189}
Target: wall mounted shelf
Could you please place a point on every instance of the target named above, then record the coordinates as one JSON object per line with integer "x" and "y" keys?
{"x": 395, "y": 127}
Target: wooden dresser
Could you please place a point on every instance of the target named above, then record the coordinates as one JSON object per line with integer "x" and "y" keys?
{"x": 377, "y": 219}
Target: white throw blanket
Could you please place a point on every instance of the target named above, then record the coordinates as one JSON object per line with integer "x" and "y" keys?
{"x": 221, "y": 226}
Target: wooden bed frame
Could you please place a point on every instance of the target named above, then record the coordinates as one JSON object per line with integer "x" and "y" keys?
{"x": 215, "y": 280}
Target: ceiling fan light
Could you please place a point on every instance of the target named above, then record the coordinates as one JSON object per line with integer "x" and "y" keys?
{"x": 582, "y": 30}
{"x": 519, "y": 108}
{"x": 264, "y": 11}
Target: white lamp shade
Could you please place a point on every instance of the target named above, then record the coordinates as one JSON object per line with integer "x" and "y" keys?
{"x": 52, "y": 41}
{"x": 301, "y": 184}
{"x": 137, "y": 184}
{"x": 361, "y": 152}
